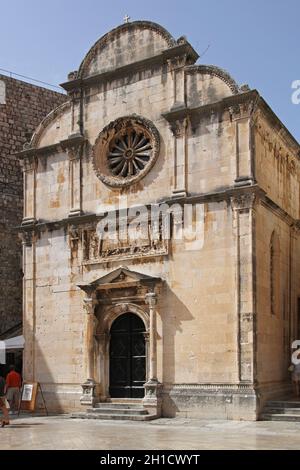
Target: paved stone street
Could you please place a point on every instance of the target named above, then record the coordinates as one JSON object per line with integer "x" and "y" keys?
{"x": 60, "y": 432}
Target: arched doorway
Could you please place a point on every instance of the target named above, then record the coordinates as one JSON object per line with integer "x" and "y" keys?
{"x": 127, "y": 353}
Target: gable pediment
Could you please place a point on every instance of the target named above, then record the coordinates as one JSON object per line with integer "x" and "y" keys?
{"x": 119, "y": 278}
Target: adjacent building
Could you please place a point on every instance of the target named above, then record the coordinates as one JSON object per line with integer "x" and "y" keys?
{"x": 22, "y": 106}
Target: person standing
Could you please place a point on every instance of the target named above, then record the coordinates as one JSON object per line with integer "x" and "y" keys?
{"x": 3, "y": 403}
{"x": 13, "y": 386}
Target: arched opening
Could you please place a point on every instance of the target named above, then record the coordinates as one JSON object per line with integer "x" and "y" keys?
{"x": 127, "y": 357}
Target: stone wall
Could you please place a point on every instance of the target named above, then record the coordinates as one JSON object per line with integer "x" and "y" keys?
{"x": 207, "y": 311}
{"x": 277, "y": 267}
{"x": 22, "y": 107}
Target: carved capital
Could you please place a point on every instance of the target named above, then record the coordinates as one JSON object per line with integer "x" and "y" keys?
{"x": 295, "y": 227}
{"x": 151, "y": 299}
{"x": 179, "y": 127}
{"x": 28, "y": 237}
{"x": 29, "y": 163}
{"x": 89, "y": 304}
{"x": 75, "y": 94}
{"x": 242, "y": 110}
{"x": 243, "y": 202}
{"x": 177, "y": 62}
{"x": 74, "y": 152}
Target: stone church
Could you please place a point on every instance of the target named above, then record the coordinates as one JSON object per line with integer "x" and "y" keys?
{"x": 198, "y": 323}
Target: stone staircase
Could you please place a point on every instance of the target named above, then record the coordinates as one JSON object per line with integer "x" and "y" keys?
{"x": 282, "y": 410}
{"x": 115, "y": 409}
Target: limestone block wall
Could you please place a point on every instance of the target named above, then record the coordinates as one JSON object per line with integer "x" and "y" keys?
{"x": 197, "y": 320}
{"x": 22, "y": 106}
{"x": 277, "y": 166}
{"x": 277, "y": 173}
{"x": 273, "y": 329}
{"x": 209, "y": 156}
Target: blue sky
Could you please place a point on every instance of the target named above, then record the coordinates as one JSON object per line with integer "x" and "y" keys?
{"x": 257, "y": 41}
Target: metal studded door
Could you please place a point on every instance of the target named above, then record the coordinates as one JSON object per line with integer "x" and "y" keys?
{"x": 127, "y": 357}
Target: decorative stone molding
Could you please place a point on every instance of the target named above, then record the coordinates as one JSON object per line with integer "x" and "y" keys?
{"x": 224, "y": 387}
{"x": 147, "y": 242}
{"x": 217, "y": 72}
{"x": 125, "y": 151}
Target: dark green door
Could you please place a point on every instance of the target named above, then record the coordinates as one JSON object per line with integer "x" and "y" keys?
{"x": 127, "y": 368}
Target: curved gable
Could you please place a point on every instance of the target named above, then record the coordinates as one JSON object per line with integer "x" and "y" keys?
{"x": 53, "y": 128}
{"x": 209, "y": 84}
{"x": 125, "y": 44}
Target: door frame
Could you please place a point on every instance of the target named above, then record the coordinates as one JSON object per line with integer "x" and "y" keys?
{"x": 129, "y": 336}
{"x": 106, "y": 315}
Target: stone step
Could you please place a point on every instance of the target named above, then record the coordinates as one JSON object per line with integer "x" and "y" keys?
{"x": 110, "y": 405}
{"x": 121, "y": 417}
{"x": 118, "y": 410}
{"x": 124, "y": 400}
{"x": 283, "y": 410}
{"x": 279, "y": 417}
{"x": 283, "y": 404}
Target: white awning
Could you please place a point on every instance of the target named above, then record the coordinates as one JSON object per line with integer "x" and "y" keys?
{"x": 15, "y": 343}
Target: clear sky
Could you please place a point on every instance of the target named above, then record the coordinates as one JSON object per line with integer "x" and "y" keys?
{"x": 256, "y": 41}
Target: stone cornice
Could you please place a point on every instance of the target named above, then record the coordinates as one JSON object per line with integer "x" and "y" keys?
{"x": 73, "y": 141}
{"x": 194, "y": 114}
{"x": 281, "y": 213}
{"x": 184, "y": 49}
{"x": 223, "y": 195}
{"x": 227, "y": 194}
{"x": 279, "y": 127}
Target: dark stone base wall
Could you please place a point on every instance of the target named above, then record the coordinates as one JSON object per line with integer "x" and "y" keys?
{"x": 22, "y": 107}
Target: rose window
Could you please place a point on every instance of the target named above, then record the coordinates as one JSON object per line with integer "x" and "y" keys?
{"x": 129, "y": 154}
{"x": 125, "y": 151}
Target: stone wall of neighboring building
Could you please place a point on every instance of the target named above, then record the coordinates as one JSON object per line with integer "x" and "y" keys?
{"x": 22, "y": 107}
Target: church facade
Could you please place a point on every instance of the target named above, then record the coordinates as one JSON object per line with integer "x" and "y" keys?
{"x": 160, "y": 236}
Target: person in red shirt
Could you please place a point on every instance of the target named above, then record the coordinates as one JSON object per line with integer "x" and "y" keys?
{"x": 13, "y": 386}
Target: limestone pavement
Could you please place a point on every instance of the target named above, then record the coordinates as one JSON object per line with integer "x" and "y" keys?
{"x": 63, "y": 433}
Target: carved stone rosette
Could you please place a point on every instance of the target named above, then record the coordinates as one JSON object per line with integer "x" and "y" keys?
{"x": 125, "y": 151}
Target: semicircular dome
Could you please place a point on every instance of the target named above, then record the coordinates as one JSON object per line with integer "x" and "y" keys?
{"x": 124, "y": 45}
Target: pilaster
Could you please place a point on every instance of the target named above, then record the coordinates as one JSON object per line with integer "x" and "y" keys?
{"x": 89, "y": 386}
{"x": 29, "y": 182}
{"x": 75, "y": 197}
{"x": 29, "y": 303}
{"x": 244, "y": 231}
